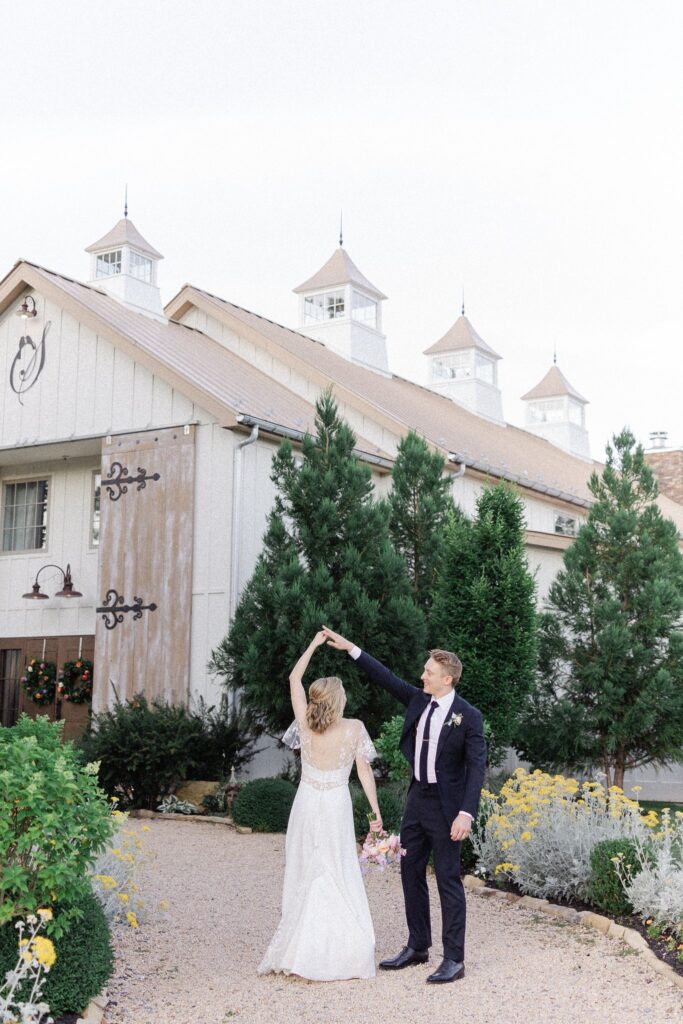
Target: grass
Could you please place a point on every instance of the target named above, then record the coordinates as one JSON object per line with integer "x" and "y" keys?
{"x": 659, "y": 805}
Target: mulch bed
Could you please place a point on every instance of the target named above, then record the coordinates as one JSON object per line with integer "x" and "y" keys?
{"x": 658, "y": 946}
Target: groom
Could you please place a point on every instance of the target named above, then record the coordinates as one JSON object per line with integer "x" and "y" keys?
{"x": 443, "y": 741}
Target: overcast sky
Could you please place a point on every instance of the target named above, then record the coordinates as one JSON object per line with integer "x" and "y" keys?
{"x": 530, "y": 150}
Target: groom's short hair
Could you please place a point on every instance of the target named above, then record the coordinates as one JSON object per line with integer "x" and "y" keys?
{"x": 449, "y": 662}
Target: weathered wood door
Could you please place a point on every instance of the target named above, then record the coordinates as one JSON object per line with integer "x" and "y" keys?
{"x": 142, "y": 639}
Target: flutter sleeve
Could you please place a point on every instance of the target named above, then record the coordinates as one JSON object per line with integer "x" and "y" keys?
{"x": 365, "y": 748}
{"x": 292, "y": 738}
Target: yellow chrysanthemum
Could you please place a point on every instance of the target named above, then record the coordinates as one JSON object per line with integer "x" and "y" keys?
{"x": 43, "y": 950}
{"x": 131, "y": 917}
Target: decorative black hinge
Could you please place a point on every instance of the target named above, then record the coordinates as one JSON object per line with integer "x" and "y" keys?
{"x": 118, "y": 478}
{"x": 115, "y": 607}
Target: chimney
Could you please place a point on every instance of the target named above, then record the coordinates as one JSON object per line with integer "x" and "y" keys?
{"x": 667, "y": 465}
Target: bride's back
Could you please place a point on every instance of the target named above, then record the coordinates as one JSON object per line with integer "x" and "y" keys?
{"x": 334, "y": 748}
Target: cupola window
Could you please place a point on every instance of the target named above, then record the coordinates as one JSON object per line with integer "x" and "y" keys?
{"x": 457, "y": 366}
{"x": 484, "y": 368}
{"x": 140, "y": 267}
{"x": 324, "y": 306}
{"x": 550, "y": 410}
{"x": 575, "y": 413}
{"x": 364, "y": 310}
{"x": 108, "y": 263}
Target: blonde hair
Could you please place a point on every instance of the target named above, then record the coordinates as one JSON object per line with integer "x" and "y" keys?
{"x": 326, "y": 700}
{"x": 449, "y": 662}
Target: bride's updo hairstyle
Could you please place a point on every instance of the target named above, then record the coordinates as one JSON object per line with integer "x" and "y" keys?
{"x": 326, "y": 700}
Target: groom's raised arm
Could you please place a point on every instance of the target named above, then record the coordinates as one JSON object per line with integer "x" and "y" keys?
{"x": 378, "y": 672}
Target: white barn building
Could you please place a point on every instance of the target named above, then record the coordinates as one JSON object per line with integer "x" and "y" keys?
{"x": 136, "y": 442}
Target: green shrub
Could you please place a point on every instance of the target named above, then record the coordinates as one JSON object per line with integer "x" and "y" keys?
{"x": 390, "y": 806}
{"x": 387, "y": 742}
{"x": 606, "y": 890}
{"x": 264, "y": 805}
{"x": 85, "y": 960}
{"x": 145, "y": 749}
{"x": 53, "y": 822}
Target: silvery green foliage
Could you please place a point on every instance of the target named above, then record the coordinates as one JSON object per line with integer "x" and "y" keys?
{"x": 656, "y": 890}
{"x": 172, "y": 805}
{"x": 544, "y": 843}
{"x": 113, "y": 875}
{"x": 28, "y": 969}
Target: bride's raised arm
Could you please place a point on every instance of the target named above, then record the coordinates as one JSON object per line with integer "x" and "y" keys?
{"x": 296, "y": 689}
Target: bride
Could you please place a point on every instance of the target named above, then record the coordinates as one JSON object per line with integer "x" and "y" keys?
{"x": 325, "y": 932}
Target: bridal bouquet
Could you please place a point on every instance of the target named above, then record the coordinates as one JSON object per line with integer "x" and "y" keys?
{"x": 380, "y": 849}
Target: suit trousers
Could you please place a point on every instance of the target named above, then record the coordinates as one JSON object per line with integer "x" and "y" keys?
{"x": 424, "y": 830}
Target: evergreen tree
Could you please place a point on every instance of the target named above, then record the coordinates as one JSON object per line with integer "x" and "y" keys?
{"x": 327, "y": 559}
{"x": 419, "y": 505}
{"x": 484, "y": 610}
{"x": 610, "y": 688}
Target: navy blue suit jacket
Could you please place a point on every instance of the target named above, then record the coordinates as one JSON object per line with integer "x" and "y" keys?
{"x": 461, "y": 750}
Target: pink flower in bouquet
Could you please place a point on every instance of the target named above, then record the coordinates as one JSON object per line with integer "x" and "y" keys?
{"x": 380, "y": 850}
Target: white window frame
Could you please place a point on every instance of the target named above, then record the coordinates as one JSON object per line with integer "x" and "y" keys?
{"x": 117, "y": 262}
{"x": 42, "y": 478}
{"x": 95, "y": 508}
{"x": 361, "y": 303}
{"x": 138, "y": 262}
{"x": 565, "y": 525}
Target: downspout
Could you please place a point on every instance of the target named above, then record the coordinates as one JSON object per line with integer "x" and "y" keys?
{"x": 237, "y": 467}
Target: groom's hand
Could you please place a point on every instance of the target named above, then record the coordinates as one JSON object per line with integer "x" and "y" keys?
{"x": 336, "y": 641}
{"x": 461, "y": 827}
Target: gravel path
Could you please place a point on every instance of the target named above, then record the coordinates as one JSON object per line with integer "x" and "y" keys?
{"x": 197, "y": 963}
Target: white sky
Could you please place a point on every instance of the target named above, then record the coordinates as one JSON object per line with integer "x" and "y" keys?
{"x": 531, "y": 150}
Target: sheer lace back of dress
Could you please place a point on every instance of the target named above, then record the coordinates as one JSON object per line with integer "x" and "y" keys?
{"x": 327, "y": 758}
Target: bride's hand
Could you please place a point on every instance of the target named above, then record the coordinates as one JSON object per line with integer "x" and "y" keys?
{"x": 318, "y": 640}
{"x": 337, "y": 641}
{"x": 376, "y": 824}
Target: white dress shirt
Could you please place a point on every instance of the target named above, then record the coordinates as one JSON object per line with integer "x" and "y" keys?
{"x": 435, "y": 726}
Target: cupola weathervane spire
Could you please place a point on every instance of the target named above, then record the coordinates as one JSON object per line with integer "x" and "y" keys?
{"x": 341, "y": 224}
{"x": 462, "y": 310}
{"x": 125, "y": 204}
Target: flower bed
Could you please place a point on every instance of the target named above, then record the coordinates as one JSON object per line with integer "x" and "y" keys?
{"x": 540, "y": 836}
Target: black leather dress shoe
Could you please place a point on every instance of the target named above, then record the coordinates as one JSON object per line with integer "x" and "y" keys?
{"x": 449, "y": 970}
{"x": 406, "y": 958}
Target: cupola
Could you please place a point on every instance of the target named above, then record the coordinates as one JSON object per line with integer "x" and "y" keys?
{"x": 556, "y": 411}
{"x": 341, "y": 308}
{"x": 124, "y": 264}
{"x": 464, "y": 367}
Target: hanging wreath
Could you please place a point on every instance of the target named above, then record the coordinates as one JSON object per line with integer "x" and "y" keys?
{"x": 39, "y": 681}
{"x": 75, "y": 681}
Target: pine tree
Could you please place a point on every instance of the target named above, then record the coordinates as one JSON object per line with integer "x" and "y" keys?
{"x": 610, "y": 688}
{"x": 484, "y": 610}
{"x": 327, "y": 559}
{"x": 419, "y": 505}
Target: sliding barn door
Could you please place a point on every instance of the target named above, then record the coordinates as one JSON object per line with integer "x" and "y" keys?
{"x": 142, "y": 641}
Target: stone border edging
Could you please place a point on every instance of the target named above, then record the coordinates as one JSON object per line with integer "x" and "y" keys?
{"x": 158, "y": 816}
{"x": 94, "y": 1011}
{"x": 587, "y": 918}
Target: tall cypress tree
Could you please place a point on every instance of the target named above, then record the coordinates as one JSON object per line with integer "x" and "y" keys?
{"x": 484, "y": 610}
{"x": 419, "y": 504}
{"x": 327, "y": 558}
{"x": 610, "y": 687}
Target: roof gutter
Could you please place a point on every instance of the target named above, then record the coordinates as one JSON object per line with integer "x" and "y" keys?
{"x": 298, "y": 435}
{"x": 515, "y": 478}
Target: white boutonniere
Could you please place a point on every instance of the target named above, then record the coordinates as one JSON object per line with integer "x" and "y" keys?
{"x": 455, "y": 720}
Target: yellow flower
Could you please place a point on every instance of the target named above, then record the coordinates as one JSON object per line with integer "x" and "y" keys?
{"x": 163, "y": 904}
{"x": 526, "y": 836}
{"x": 123, "y": 896}
{"x": 132, "y": 919}
{"x": 45, "y": 913}
{"x": 44, "y": 951}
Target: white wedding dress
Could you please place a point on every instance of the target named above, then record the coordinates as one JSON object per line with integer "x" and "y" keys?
{"x": 325, "y": 932}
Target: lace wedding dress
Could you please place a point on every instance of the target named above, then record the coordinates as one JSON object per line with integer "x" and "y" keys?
{"x": 326, "y": 932}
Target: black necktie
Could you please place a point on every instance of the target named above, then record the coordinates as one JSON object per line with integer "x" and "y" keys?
{"x": 425, "y": 744}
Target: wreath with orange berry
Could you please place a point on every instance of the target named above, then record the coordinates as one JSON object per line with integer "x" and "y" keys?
{"x": 75, "y": 681}
{"x": 39, "y": 681}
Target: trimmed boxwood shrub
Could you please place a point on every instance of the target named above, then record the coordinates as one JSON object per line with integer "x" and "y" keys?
{"x": 85, "y": 959}
{"x": 390, "y": 806}
{"x": 606, "y": 891}
{"x": 264, "y": 805}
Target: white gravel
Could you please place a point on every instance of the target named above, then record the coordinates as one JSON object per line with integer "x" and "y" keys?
{"x": 197, "y": 963}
